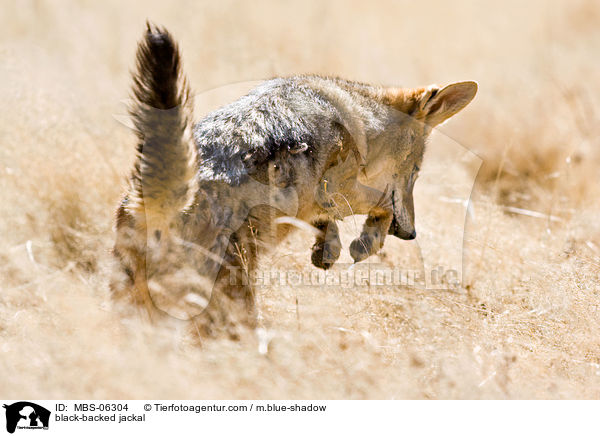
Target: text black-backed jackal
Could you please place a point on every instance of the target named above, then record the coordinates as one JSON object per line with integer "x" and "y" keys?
{"x": 205, "y": 198}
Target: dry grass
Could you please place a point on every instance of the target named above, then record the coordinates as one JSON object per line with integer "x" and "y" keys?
{"x": 524, "y": 325}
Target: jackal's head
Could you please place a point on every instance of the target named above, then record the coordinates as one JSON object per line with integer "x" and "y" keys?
{"x": 395, "y": 155}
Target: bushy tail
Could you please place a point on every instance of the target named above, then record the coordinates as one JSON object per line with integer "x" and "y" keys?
{"x": 162, "y": 116}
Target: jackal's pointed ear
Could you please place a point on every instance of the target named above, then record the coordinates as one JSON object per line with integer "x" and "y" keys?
{"x": 440, "y": 104}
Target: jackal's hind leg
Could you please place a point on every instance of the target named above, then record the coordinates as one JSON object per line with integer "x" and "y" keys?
{"x": 327, "y": 247}
{"x": 231, "y": 310}
{"x": 373, "y": 234}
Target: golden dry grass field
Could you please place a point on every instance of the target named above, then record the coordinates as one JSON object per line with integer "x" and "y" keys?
{"x": 525, "y": 322}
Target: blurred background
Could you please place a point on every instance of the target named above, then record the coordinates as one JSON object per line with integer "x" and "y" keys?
{"x": 524, "y": 323}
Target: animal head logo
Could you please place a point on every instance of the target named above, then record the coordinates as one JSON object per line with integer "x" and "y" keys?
{"x": 26, "y": 415}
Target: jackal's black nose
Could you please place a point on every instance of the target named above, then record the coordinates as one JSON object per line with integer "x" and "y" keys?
{"x": 407, "y": 236}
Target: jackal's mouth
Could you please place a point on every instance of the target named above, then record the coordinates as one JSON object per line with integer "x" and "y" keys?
{"x": 395, "y": 227}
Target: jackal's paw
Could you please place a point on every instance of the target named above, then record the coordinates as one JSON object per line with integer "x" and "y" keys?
{"x": 325, "y": 253}
{"x": 363, "y": 246}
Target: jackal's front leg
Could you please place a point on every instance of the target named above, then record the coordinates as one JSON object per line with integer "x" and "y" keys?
{"x": 373, "y": 234}
{"x": 327, "y": 247}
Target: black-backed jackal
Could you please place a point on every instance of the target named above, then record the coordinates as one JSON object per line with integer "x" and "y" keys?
{"x": 206, "y": 197}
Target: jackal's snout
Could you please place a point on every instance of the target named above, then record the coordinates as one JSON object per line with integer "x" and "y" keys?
{"x": 403, "y": 221}
{"x": 399, "y": 232}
